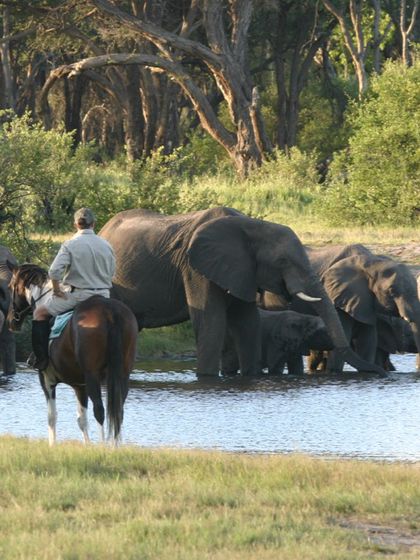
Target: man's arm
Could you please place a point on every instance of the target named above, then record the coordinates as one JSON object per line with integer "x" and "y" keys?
{"x": 57, "y": 269}
{"x": 57, "y": 291}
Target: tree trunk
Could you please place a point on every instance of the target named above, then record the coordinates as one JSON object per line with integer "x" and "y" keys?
{"x": 353, "y": 38}
{"x": 9, "y": 90}
{"x": 73, "y": 97}
{"x": 407, "y": 30}
{"x": 134, "y": 121}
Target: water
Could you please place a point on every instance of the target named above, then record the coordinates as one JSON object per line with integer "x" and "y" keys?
{"x": 347, "y": 416}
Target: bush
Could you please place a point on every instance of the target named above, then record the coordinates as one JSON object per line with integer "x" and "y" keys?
{"x": 284, "y": 185}
{"x": 38, "y": 174}
{"x": 376, "y": 180}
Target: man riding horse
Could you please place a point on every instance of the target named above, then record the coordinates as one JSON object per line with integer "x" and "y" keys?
{"x": 85, "y": 265}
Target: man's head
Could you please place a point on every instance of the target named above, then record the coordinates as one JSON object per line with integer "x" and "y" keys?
{"x": 84, "y": 218}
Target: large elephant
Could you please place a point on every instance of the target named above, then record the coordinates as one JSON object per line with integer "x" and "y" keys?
{"x": 361, "y": 285}
{"x": 208, "y": 266}
{"x": 285, "y": 337}
{"x": 7, "y": 338}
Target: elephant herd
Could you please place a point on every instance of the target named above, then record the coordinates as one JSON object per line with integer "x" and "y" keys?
{"x": 256, "y": 297}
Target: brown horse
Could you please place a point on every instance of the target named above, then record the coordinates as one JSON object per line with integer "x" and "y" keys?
{"x": 97, "y": 345}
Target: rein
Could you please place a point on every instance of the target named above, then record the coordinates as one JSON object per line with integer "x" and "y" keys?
{"x": 20, "y": 315}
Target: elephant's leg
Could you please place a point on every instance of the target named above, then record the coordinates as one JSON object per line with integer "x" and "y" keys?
{"x": 244, "y": 324}
{"x": 295, "y": 364}
{"x": 366, "y": 341}
{"x": 229, "y": 361}
{"x": 382, "y": 359}
{"x": 335, "y": 362}
{"x": 8, "y": 352}
{"x": 207, "y": 308}
{"x": 418, "y": 362}
{"x": 273, "y": 358}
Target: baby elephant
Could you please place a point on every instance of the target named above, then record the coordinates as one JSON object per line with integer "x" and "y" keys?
{"x": 285, "y": 336}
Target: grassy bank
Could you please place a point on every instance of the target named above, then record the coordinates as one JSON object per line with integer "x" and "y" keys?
{"x": 73, "y": 502}
{"x": 177, "y": 340}
{"x": 310, "y": 232}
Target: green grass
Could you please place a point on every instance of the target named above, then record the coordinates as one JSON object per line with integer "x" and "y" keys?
{"x": 72, "y": 502}
{"x": 166, "y": 341}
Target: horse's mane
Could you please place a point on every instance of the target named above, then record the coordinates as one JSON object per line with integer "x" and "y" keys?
{"x": 29, "y": 273}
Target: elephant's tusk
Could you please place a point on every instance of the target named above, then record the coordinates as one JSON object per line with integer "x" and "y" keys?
{"x": 303, "y": 296}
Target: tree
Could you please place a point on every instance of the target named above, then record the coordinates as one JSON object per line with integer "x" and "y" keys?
{"x": 376, "y": 179}
{"x": 223, "y": 58}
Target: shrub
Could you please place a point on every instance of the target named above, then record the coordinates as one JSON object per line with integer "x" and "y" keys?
{"x": 376, "y": 180}
{"x": 283, "y": 185}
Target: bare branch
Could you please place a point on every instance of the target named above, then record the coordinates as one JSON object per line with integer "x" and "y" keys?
{"x": 204, "y": 110}
{"x": 159, "y": 36}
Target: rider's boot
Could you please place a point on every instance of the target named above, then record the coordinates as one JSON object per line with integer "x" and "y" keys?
{"x": 40, "y": 340}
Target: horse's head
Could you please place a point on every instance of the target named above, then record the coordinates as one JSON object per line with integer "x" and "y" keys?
{"x": 23, "y": 277}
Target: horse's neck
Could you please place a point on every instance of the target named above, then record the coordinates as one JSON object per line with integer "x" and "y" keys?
{"x": 39, "y": 294}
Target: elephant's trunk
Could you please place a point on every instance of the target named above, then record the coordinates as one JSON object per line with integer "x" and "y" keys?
{"x": 416, "y": 333}
{"x": 2, "y": 320}
{"x": 409, "y": 310}
{"x": 326, "y": 310}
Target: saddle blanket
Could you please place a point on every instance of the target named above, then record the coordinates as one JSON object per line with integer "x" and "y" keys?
{"x": 59, "y": 324}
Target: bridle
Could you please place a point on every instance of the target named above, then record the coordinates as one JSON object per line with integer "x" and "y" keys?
{"x": 18, "y": 316}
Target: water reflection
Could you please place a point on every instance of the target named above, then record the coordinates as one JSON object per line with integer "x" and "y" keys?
{"x": 344, "y": 415}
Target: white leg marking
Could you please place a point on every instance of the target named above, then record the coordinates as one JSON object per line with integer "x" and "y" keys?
{"x": 52, "y": 412}
{"x": 101, "y": 432}
{"x": 52, "y": 418}
{"x": 52, "y": 421}
{"x": 82, "y": 420}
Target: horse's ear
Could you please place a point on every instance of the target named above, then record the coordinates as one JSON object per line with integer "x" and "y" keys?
{"x": 11, "y": 266}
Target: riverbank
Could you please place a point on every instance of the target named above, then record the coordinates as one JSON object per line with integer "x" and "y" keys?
{"x": 94, "y": 502}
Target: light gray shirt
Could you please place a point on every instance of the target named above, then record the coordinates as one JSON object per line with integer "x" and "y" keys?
{"x": 85, "y": 261}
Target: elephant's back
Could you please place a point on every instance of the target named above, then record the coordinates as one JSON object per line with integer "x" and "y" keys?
{"x": 138, "y": 220}
{"x": 151, "y": 260}
{"x": 140, "y": 233}
{"x": 322, "y": 258}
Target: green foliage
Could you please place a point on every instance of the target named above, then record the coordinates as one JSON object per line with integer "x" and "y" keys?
{"x": 202, "y": 155}
{"x": 38, "y": 174}
{"x": 320, "y": 119}
{"x": 376, "y": 179}
{"x": 156, "y": 181}
{"x": 283, "y": 185}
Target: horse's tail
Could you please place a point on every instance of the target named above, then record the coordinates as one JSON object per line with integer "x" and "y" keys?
{"x": 117, "y": 381}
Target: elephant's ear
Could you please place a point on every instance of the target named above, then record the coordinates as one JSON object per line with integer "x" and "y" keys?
{"x": 220, "y": 251}
{"x": 347, "y": 286}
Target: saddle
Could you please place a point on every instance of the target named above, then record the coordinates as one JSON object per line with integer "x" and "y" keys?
{"x": 60, "y": 321}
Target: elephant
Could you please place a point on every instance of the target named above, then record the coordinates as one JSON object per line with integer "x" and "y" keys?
{"x": 208, "y": 266}
{"x": 362, "y": 286}
{"x": 395, "y": 336}
{"x": 285, "y": 336}
{"x": 7, "y": 338}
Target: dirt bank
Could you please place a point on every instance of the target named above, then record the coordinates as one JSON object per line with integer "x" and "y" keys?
{"x": 408, "y": 254}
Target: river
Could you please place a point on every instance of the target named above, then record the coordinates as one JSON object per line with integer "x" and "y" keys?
{"x": 347, "y": 415}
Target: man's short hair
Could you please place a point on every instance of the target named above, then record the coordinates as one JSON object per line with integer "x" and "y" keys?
{"x": 84, "y": 218}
